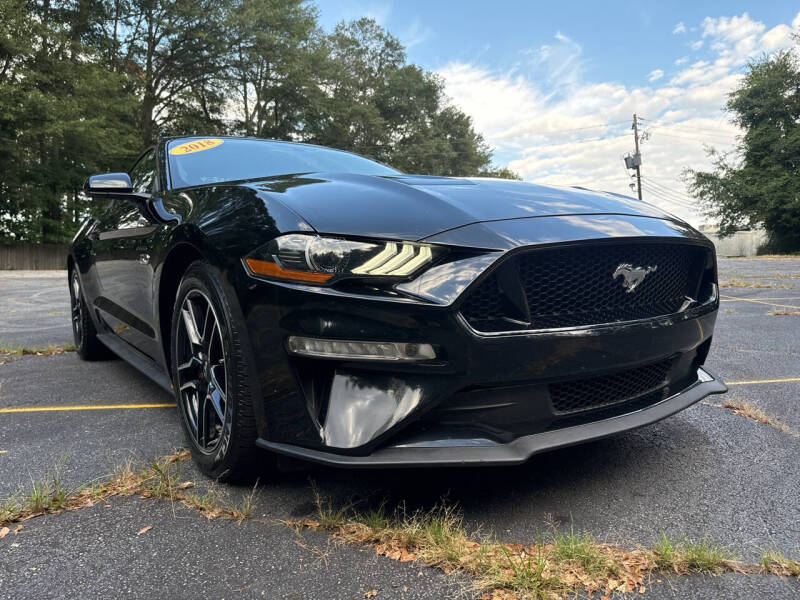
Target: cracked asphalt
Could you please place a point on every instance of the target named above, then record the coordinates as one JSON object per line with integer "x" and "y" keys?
{"x": 705, "y": 473}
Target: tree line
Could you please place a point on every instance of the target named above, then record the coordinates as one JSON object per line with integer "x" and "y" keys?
{"x": 86, "y": 85}
{"x": 758, "y": 184}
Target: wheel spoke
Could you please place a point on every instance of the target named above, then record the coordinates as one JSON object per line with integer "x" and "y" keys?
{"x": 190, "y": 385}
{"x": 209, "y": 324}
{"x": 217, "y": 398}
{"x": 189, "y": 321}
{"x": 202, "y": 439}
{"x": 192, "y": 362}
{"x": 200, "y": 370}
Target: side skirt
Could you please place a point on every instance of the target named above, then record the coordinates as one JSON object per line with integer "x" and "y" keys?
{"x": 136, "y": 359}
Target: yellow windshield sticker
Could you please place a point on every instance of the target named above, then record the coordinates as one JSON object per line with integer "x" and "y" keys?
{"x": 196, "y": 146}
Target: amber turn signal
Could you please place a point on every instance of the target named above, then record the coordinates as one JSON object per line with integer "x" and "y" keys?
{"x": 271, "y": 269}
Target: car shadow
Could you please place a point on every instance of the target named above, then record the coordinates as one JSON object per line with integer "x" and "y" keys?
{"x": 624, "y": 470}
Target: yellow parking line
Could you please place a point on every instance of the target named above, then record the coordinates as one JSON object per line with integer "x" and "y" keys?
{"x": 759, "y": 302}
{"x": 752, "y": 381}
{"x": 32, "y": 409}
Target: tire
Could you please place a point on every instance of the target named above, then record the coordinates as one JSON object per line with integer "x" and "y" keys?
{"x": 87, "y": 346}
{"x": 211, "y": 374}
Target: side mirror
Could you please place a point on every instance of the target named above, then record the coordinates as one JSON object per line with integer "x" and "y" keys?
{"x": 109, "y": 183}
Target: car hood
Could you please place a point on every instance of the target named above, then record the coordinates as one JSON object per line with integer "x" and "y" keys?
{"x": 414, "y": 207}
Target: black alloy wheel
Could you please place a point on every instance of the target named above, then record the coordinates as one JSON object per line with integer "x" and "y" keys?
{"x": 211, "y": 377}
{"x": 201, "y": 373}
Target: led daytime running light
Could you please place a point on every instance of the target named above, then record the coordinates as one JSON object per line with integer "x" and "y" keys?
{"x": 358, "y": 350}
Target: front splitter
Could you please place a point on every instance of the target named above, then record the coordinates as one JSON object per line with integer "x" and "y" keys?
{"x": 512, "y": 453}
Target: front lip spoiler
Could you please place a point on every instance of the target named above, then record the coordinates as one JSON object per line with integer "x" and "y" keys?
{"x": 513, "y": 453}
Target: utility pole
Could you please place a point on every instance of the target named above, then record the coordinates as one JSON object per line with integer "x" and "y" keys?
{"x": 637, "y": 156}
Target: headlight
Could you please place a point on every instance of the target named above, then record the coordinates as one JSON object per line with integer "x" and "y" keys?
{"x": 316, "y": 259}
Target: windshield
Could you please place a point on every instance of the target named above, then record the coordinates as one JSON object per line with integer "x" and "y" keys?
{"x": 198, "y": 161}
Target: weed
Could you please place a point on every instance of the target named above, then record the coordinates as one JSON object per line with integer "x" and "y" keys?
{"x": 747, "y": 410}
{"x": 245, "y": 509}
{"x": 48, "y": 350}
{"x": 691, "y": 557}
{"x": 579, "y": 548}
{"x": 527, "y": 573}
{"x": 705, "y": 557}
{"x": 774, "y": 561}
{"x": 664, "y": 553}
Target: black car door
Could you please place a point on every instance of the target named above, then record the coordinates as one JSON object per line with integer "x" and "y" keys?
{"x": 122, "y": 245}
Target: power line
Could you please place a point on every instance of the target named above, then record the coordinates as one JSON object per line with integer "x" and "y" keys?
{"x": 697, "y": 131}
{"x": 680, "y": 124}
{"x": 669, "y": 189}
{"x": 675, "y": 199}
{"x": 662, "y": 197}
{"x": 582, "y": 128}
{"x": 695, "y": 138}
{"x": 678, "y": 195}
{"x": 674, "y": 195}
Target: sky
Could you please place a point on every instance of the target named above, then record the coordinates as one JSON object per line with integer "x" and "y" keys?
{"x": 553, "y": 86}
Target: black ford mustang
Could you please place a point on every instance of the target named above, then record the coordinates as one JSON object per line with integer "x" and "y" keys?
{"x": 322, "y": 306}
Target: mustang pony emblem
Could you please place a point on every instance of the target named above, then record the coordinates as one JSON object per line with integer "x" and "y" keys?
{"x": 632, "y": 276}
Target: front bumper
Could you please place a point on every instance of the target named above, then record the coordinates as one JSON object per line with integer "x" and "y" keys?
{"x": 487, "y": 398}
{"x": 485, "y": 452}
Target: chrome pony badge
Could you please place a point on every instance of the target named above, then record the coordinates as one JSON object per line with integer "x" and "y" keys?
{"x": 632, "y": 276}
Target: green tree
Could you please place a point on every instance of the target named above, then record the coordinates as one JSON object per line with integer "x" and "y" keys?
{"x": 380, "y": 106}
{"x": 274, "y": 59}
{"x": 501, "y": 173}
{"x": 173, "y": 51}
{"x": 63, "y": 117}
{"x": 761, "y": 183}
{"x": 85, "y": 85}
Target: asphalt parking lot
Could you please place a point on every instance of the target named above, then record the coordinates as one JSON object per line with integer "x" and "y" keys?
{"x": 706, "y": 473}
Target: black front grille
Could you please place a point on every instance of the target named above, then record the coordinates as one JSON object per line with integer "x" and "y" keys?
{"x": 599, "y": 392}
{"x": 572, "y": 286}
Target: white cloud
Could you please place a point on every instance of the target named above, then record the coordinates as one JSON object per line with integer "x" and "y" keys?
{"x": 681, "y": 60}
{"x": 552, "y": 125}
{"x": 415, "y": 34}
{"x": 679, "y": 28}
{"x": 777, "y": 37}
{"x": 696, "y": 45}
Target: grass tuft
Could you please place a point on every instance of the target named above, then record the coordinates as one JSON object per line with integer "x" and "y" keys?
{"x": 774, "y": 562}
{"x": 581, "y": 549}
{"x": 749, "y": 411}
{"x": 48, "y": 494}
{"x": 48, "y": 350}
{"x": 705, "y": 557}
{"x": 685, "y": 556}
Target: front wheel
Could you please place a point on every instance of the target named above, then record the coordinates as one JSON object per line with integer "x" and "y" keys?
{"x": 211, "y": 377}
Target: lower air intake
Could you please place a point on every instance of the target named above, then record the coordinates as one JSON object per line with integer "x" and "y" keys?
{"x": 599, "y": 392}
